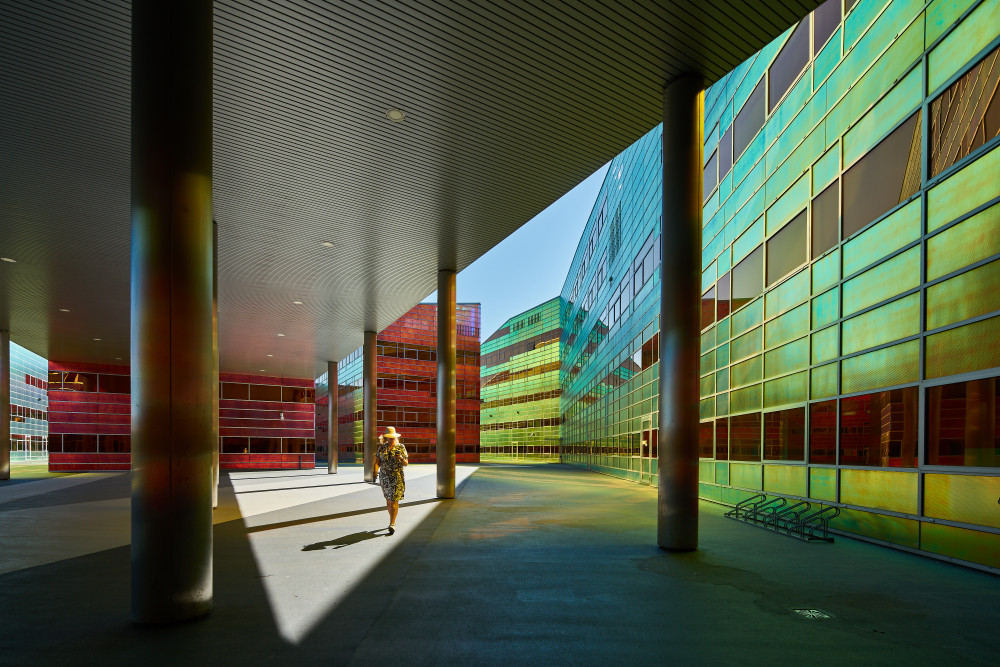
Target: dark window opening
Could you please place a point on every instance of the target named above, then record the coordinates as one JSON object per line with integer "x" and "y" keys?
{"x": 786, "y": 250}
{"x": 785, "y": 69}
{"x": 887, "y": 175}
{"x": 749, "y": 120}
{"x": 826, "y": 219}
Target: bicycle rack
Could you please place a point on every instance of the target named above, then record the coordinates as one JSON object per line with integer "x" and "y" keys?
{"x": 799, "y": 520}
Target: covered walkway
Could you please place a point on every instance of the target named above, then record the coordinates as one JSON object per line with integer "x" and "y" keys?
{"x": 530, "y": 564}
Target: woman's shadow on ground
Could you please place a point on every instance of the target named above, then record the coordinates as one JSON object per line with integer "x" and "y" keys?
{"x": 346, "y": 540}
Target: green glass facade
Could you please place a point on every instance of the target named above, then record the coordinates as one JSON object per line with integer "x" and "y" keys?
{"x": 850, "y": 310}
{"x": 519, "y": 415}
{"x": 29, "y": 405}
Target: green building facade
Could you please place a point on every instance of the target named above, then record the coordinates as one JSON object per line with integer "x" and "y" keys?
{"x": 851, "y": 282}
{"x": 519, "y": 393}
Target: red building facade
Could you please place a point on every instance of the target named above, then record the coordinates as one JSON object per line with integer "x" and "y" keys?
{"x": 407, "y": 386}
{"x": 264, "y": 422}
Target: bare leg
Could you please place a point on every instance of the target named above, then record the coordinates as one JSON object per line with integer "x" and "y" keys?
{"x": 388, "y": 507}
{"x": 393, "y": 510}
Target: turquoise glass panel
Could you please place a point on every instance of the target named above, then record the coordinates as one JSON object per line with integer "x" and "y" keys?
{"x": 789, "y": 204}
{"x": 964, "y": 42}
{"x": 880, "y": 239}
{"x": 860, "y": 18}
{"x": 891, "y": 277}
{"x": 747, "y": 344}
{"x": 749, "y": 240}
{"x": 894, "y": 107}
{"x": 826, "y": 271}
{"x": 827, "y": 58}
{"x": 826, "y": 168}
{"x": 749, "y": 316}
{"x": 826, "y": 308}
{"x": 825, "y": 345}
{"x": 788, "y": 294}
{"x": 787, "y": 358}
{"x": 791, "y": 325}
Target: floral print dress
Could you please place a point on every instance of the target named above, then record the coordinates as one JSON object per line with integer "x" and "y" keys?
{"x": 391, "y": 455}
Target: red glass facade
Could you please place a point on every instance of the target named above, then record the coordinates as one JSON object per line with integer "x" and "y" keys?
{"x": 264, "y": 422}
{"x": 407, "y": 386}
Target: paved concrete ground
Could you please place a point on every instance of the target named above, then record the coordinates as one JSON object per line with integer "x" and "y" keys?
{"x": 530, "y": 564}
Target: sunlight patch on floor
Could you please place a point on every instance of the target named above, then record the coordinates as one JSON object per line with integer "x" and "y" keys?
{"x": 309, "y": 564}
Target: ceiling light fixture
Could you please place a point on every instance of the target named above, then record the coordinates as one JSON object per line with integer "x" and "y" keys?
{"x": 8, "y": 259}
{"x": 64, "y": 310}
{"x": 97, "y": 339}
{"x": 297, "y": 303}
{"x": 326, "y": 244}
{"x": 282, "y": 335}
{"x": 270, "y": 355}
{"x": 262, "y": 370}
{"x": 395, "y": 115}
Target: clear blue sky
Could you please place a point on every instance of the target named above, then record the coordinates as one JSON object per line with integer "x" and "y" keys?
{"x": 530, "y": 265}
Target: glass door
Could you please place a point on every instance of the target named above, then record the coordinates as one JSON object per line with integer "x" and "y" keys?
{"x": 646, "y": 450}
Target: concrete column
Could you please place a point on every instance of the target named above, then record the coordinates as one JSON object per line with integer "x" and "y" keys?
{"x": 370, "y": 415}
{"x": 4, "y": 405}
{"x": 447, "y": 339}
{"x": 332, "y": 437}
{"x": 680, "y": 318}
{"x": 215, "y": 363}
{"x": 173, "y": 366}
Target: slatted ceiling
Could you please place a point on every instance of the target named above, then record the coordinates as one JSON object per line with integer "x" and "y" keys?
{"x": 508, "y": 106}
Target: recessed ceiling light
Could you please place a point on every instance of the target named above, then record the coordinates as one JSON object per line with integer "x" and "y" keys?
{"x": 395, "y": 115}
{"x": 297, "y": 303}
{"x": 262, "y": 370}
{"x": 118, "y": 358}
{"x": 64, "y": 310}
{"x": 8, "y": 259}
{"x": 282, "y": 335}
{"x": 326, "y": 244}
{"x": 270, "y": 355}
{"x": 97, "y": 339}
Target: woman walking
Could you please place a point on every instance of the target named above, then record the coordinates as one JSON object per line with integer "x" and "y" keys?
{"x": 390, "y": 457}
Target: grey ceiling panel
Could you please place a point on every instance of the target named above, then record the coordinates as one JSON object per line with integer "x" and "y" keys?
{"x": 508, "y": 105}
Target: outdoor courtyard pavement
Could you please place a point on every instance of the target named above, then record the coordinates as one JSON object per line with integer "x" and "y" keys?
{"x": 529, "y": 564}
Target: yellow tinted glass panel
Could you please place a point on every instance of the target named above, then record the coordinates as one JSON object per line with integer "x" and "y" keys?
{"x": 879, "y": 526}
{"x": 745, "y": 399}
{"x": 890, "y": 234}
{"x": 970, "y": 545}
{"x": 893, "y": 276}
{"x": 746, "y": 372}
{"x": 963, "y": 498}
{"x": 823, "y": 484}
{"x": 965, "y": 41}
{"x": 967, "y": 242}
{"x": 745, "y": 475}
{"x": 823, "y": 382}
{"x": 970, "y": 348}
{"x": 890, "y": 322}
{"x": 787, "y": 358}
{"x": 789, "y": 389}
{"x": 786, "y": 480}
{"x": 791, "y": 325}
{"x": 973, "y": 185}
{"x": 966, "y": 295}
{"x": 879, "y": 489}
{"x": 889, "y": 366}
